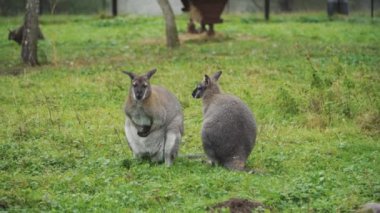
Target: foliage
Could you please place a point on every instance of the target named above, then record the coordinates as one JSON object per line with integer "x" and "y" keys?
{"x": 312, "y": 83}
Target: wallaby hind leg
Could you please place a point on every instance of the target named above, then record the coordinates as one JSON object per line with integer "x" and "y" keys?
{"x": 171, "y": 147}
{"x": 211, "y": 157}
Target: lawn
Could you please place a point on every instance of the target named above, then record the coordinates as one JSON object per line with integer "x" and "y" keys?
{"x": 312, "y": 83}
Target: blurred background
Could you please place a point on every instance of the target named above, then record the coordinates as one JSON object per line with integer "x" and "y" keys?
{"x": 150, "y": 7}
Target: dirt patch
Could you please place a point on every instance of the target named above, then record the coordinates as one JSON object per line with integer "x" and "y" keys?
{"x": 15, "y": 70}
{"x": 315, "y": 121}
{"x": 203, "y": 37}
{"x": 19, "y": 69}
{"x": 152, "y": 41}
{"x": 369, "y": 122}
{"x": 243, "y": 37}
{"x": 237, "y": 205}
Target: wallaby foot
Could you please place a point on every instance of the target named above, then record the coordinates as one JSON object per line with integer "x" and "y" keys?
{"x": 212, "y": 163}
{"x": 235, "y": 164}
{"x": 143, "y": 131}
{"x": 203, "y": 28}
{"x": 211, "y": 158}
{"x": 191, "y": 28}
{"x": 210, "y": 31}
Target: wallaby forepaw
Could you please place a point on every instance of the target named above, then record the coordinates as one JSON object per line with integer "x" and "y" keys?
{"x": 143, "y": 134}
{"x": 143, "y": 131}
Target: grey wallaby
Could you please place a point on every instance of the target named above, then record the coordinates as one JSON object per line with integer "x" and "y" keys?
{"x": 154, "y": 120}
{"x": 229, "y": 127}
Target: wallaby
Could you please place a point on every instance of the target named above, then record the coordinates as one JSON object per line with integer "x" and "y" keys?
{"x": 154, "y": 120}
{"x": 17, "y": 34}
{"x": 229, "y": 128}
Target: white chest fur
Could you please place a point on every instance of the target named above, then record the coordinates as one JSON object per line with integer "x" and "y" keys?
{"x": 140, "y": 118}
{"x": 152, "y": 145}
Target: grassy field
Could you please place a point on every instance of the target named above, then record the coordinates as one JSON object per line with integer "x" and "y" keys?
{"x": 313, "y": 84}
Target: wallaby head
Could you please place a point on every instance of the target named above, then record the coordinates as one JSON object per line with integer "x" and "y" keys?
{"x": 11, "y": 35}
{"x": 207, "y": 85}
{"x": 140, "y": 85}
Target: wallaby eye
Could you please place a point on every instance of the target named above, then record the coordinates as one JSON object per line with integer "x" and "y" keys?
{"x": 145, "y": 85}
{"x": 134, "y": 84}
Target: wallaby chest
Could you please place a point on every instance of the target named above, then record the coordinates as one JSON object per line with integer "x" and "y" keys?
{"x": 139, "y": 116}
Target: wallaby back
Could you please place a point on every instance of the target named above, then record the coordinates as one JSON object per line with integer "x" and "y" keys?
{"x": 229, "y": 128}
{"x": 229, "y": 131}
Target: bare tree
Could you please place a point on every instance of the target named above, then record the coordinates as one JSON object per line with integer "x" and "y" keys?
{"x": 172, "y": 39}
{"x": 30, "y": 34}
{"x": 53, "y": 5}
{"x": 114, "y": 7}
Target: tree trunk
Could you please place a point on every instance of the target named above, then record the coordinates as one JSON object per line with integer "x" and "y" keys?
{"x": 267, "y": 9}
{"x": 372, "y": 4}
{"x": 114, "y": 7}
{"x": 53, "y": 5}
{"x": 30, "y": 35}
{"x": 172, "y": 39}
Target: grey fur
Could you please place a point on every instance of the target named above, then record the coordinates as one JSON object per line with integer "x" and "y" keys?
{"x": 154, "y": 120}
{"x": 17, "y": 34}
{"x": 370, "y": 208}
{"x": 229, "y": 127}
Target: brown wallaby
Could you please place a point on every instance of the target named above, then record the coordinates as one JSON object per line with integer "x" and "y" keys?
{"x": 229, "y": 128}
{"x": 18, "y": 33}
{"x": 154, "y": 120}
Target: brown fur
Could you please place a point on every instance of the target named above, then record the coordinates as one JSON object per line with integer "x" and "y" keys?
{"x": 154, "y": 123}
{"x": 17, "y": 34}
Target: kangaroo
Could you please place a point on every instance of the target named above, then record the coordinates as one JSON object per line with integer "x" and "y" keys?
{"x": 229, "y": 127}
{"x": 154, "y": 120}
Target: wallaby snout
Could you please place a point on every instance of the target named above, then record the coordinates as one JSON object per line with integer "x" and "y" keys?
{"x": 139, "y": 92}
{"x": 198, "y": 91}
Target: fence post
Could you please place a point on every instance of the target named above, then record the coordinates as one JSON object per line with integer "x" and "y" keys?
{"x": 267, "y": 6}
{"x": 372, "y": 6}
{"x": 114, "y": 7}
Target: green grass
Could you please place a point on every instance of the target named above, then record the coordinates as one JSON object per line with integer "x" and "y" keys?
{"x": 312, "y": 83}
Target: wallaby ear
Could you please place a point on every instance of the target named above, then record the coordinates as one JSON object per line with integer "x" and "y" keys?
{"x": 131, "y": 75}
{"x": 151, "y": 73}
{"x": 207, "y": 80}
{"x": 217, "y": 75}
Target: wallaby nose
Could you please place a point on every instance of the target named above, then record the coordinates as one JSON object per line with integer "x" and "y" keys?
{"x": 195, "y": 93}
{"x": 139, "y": 96}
